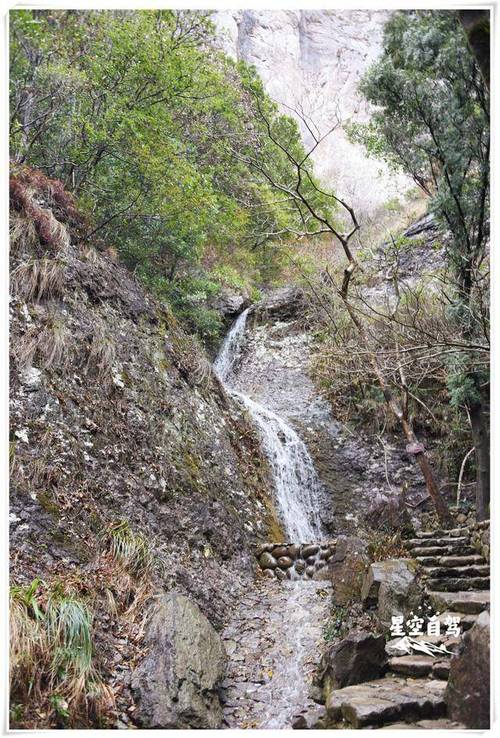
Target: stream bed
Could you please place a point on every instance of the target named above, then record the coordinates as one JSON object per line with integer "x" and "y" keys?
{"x": 273, "y": 644}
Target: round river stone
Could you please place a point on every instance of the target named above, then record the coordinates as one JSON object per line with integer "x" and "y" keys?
{"x": 300, "y": 566}
{"x": 285, "y": 562}
{"x": 280, "y": 551}
{"x": 267, "y": 561}
{"x": 309, "y": 550}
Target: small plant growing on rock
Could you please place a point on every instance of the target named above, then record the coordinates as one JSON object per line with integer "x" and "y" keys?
{"x": 335, "y": 626}
{"x": 383, "y": 546}
{"x": 131, "y": 549}
{"x": 51, "y": 650}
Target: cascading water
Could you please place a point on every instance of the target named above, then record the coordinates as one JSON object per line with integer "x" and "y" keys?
{"x": 274, "y": 633}
{"x": 295, "y": 479}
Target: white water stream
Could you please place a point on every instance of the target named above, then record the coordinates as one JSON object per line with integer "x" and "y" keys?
{"x": 275, "y": 630}
{"x": 296, "y": 482}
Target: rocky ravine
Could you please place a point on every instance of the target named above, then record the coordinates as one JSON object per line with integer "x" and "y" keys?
{"x": 275, "y": 371}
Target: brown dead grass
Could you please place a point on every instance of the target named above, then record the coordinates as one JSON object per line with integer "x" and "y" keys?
{"x": 39, "y": 279}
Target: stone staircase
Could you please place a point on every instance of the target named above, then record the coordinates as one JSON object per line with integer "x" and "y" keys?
{"x": 456, "y": 576}
{"x": 411, "y": 695}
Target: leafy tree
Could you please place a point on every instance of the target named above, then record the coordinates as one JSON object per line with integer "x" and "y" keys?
{"x": 432, "y": 120}
{"x": 140, "y": 114}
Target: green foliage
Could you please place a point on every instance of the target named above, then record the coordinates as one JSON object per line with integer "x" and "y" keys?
{"x": 131, "y": 549}
{"x": 336, "y": 626}
{"x": 151, "y": 126}
{"x": 432, "y": 120}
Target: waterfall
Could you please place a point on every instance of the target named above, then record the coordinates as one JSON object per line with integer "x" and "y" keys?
{"x": 296, "y": 483}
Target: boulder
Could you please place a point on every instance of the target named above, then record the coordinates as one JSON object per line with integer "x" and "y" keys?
{"x": 360, "y": 657}
{"x": 468, "y": 692}
{"x": 282, "y": 303}
{"x": 230, "y": 303}
{"x": 390, "y": 516}
{"x": 346, "y": 568}
{"x": 267, "y": 561}
{"x": 175, "y": 685}
{"x": 392, "y": 587}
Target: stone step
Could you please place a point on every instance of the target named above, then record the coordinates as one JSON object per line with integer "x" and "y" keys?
{"x": 466, "y": 621}
{"x": 481, "y": 570}
{"x": 460, "y": 584}
{"x": 470, "y": 603}
{"x": 442, "y": 533}
{"x": 473, "y": 559}
{"x": 417, "y": 542}
{"x": 439, "y": 724}
{"x": 420, "y": 666}
{"x": 443, "y": 551}
{"x": 386, "y": 700}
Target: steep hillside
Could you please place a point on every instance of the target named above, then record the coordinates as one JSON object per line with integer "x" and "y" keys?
{"x": 120, "y": 433}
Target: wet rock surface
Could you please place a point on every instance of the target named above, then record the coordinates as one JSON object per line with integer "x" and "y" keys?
{"x": 353, "y": 467}
{"x": 272, "y": 644}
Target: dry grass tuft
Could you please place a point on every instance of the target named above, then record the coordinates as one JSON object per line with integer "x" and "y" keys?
{"x": 132, "y": 550}
{"x": 383, "y": 546}
{"x": 102, "y": 353}
{"x": 22, "y": 233}
{"x": 39, "y": 279}
{"x": 51, "y": 346}
{"x": 51, "y": 650}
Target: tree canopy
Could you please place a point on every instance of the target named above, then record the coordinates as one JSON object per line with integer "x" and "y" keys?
{"x": 150, "y": 125}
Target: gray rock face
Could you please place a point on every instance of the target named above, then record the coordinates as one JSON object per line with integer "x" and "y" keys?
{"x": 176, "y": 684}
{"x": 346, "y": 568}
{"x": 316, "y": 58}
{"x": 230, "y": 303}
{"x": 468, "y": 691}
{"x": 392, "y": 587}
{"x": 360, "y": 657}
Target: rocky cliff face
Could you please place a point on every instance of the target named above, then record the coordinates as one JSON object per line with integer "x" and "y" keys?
{"x": 118, "y": 428}
{"x": 314, "y": 59}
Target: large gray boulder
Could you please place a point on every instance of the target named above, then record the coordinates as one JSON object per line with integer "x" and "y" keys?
{"x": 230, "y": 303}
{"x": 175, "y": 685}
{"x": 346, "y": 568}
{"x": 357, "y": 658}
{"x": 392, "y": 587}
{"x": 468, "y": 691}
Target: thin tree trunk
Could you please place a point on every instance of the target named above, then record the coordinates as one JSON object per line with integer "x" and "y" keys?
{"x": 481, "y": 444}
{"x": 422, "y": 460}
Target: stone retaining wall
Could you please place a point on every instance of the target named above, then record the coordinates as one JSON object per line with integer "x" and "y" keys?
{"x": 295, "y": 560}
{"x": 480, "y": 538}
